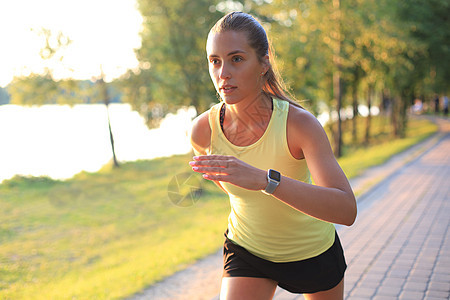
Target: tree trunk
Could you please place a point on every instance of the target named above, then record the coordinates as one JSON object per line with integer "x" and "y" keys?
{"x": 337, "y": 80}
{"x": 106, "y": 101}
{"x": 395, "y": 116}
{"x": 384, "y": 110}
{"x": 111, "y": 138}
{"x": 399, "y": 117}
{"x": 355, "y": 108}
{"x": 369, "y": 116}
{"x": 338, "y": 98}
{"x": 402, "y": 113}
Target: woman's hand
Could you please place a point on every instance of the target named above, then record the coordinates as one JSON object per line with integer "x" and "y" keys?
{"x": 229, "y": 169}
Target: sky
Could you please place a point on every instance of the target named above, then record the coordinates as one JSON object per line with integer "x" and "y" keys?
{"x": 104, "y": 34}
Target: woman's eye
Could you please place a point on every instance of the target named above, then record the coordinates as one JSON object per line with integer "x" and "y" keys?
{"x": 237, "y": 59}
{"x": 214, "y": 61}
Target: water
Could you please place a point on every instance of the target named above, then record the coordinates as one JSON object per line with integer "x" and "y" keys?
{"x": 60, "y": 141}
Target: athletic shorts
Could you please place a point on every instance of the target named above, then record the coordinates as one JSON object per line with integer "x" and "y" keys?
{"x": 319, "y": 273}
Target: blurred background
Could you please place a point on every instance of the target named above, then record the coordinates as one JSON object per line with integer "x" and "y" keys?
{"x": 59, "y": 60}
{"x": 110, "y": 85}
{"x": 68, "y": 66}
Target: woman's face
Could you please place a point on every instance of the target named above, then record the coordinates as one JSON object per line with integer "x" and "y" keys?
{"x": 234, "y": 67}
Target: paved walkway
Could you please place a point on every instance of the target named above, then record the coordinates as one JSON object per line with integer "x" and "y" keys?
{"x": 399, "y": 246}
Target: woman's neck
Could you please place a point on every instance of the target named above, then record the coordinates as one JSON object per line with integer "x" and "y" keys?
{"x": 256, "y": 110}
{"x": 245, "y": 123}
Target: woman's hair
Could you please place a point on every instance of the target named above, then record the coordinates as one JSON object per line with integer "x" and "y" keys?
{"x": 258, "y": 40}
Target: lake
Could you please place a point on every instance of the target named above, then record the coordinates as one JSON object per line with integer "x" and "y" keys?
{"x": 60, "y": 141}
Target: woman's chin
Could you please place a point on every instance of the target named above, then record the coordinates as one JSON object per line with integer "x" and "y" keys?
{"x": 230, "y": 100}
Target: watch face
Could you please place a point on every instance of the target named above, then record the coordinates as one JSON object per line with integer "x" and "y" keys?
{"x": 274, "y": 175}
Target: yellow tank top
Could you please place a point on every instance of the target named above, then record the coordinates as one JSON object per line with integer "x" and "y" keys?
{"x": 262, "y": 224}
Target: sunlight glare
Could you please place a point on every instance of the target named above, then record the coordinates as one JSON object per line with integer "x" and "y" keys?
{"x": 59, "y": 141}
{"x": 103, "y": 33}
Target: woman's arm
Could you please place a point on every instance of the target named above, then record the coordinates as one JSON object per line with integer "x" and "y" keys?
{"x": 331, "y": 198}
{"x": 200, "y": 137}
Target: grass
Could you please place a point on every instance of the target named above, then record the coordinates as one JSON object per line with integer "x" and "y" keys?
{"x": 104, "y": 235}
{"x": 110, "y": 234}
{"x": 359, "y": 156}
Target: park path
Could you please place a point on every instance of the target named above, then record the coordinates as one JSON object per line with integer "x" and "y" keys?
{"x": 399, "y": 246}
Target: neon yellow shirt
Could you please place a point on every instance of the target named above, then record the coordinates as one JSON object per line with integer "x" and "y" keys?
{"x": 262, "y": 224}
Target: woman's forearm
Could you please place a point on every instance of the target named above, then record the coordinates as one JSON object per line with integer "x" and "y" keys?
{"x": 325, "y": 203}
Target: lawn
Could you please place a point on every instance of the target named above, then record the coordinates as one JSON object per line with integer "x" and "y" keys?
{"x": 103, "y": 235}
{"x": 110, "y": 234}
{"x": 359, "y": 156}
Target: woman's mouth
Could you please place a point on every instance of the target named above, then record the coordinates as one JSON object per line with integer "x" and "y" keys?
{"x": 228, "y": 89}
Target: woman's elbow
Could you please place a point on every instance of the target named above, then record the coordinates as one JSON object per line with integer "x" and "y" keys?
{"x": 351, "y": 215}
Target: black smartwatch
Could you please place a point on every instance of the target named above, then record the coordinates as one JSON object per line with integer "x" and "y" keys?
{"x": 273, "y": 180}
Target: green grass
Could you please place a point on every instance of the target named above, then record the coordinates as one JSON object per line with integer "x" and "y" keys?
{"x": 110, "y": 234}
{"x": 359, "y": 156}
{"x": 103, "y": 235}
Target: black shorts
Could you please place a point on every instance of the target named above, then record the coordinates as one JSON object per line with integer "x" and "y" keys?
{"x": 311, "y": 275}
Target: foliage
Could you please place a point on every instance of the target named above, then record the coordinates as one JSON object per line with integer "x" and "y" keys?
{"x": 173, "y": 61}
{"x": 379, "y": 62}
{"x": 429, "y": 23}
{"x": 41, "y": 89}
{"x": 44, "y": 88}
{"x": 38, "y": 89}
{"x": 387, "y": 54}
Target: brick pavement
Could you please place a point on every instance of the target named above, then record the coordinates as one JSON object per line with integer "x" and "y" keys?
{"x": 399, "y": 246}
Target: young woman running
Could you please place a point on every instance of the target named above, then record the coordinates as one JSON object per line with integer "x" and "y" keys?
{"x": 262, "y": 149}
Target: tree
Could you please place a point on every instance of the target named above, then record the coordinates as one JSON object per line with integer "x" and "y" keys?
{"x": 428, "y": 22}
{"x": 40, "y": 89}
{"x": 401, "y": 61}
{"x": 313, "y": 58}
{"x": 330, "y": 52}
{"x": 337, "y": 94}
{"x": 173, "y": 66}
{"x": 105, "y": 95}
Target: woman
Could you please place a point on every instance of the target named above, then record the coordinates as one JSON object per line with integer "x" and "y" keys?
{"x": 262, "y": 149}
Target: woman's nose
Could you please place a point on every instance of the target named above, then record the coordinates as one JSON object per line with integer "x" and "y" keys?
{"x": 224, "y": 72}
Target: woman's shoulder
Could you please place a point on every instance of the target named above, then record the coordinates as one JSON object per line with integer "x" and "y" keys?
{"x": 201, "y": 133}
{"x": 304, "y": 125}
{"x": 300, "y": 117}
